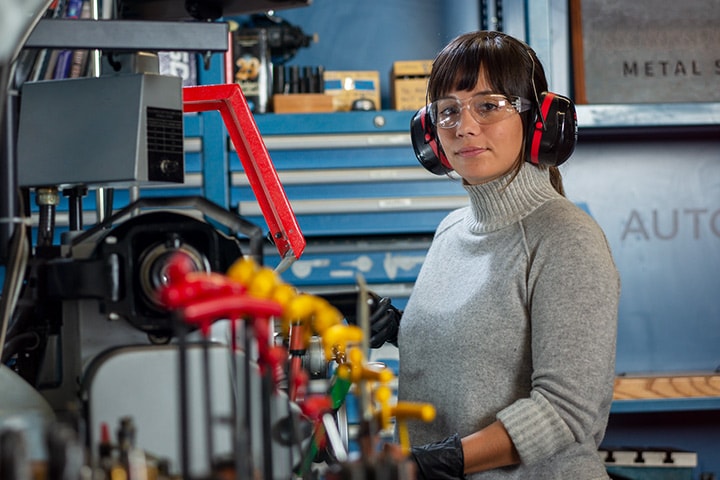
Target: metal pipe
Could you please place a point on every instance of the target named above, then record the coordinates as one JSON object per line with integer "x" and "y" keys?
{"x": 209, "y": 444}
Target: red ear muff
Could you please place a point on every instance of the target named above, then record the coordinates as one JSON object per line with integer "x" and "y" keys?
{"x": 427, "y": 148}
{"x": 552, "y": 134}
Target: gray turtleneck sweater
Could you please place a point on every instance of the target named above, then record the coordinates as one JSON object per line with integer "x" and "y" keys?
{"x": 513, "y": 317}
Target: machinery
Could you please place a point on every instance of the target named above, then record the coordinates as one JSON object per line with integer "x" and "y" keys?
{"x": 155, "y": 343}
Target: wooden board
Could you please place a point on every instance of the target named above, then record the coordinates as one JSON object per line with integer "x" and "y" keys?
{"x": 670, "y": 386}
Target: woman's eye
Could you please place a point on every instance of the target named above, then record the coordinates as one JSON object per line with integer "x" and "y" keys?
{"x": 448, "y": 111}
{"x": 486, "y": 107}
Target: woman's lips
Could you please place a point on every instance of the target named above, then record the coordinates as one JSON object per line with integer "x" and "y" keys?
{"x": 470, "y": 151}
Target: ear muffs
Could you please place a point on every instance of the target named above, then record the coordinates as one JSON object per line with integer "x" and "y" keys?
{"x": 552, "y": 135}
{"x": 550, "y": 140}
{"x": 427, "y": 148}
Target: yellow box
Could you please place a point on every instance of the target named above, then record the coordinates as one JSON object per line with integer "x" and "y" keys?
{"x": 346, "y": 86}
{"x": 408, "y": 81}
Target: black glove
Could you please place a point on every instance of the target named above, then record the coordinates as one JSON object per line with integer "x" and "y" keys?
{"x": 443, "y": 460}
{"x": 384, "y": 321}
{"x": 384, "y": 317}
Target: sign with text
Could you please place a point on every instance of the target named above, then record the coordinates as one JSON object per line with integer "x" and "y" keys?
{"x": 646, "y": 51}
{"x": 661, "y": 217}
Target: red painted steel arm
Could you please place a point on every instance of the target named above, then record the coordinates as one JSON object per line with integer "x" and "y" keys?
{"x": 229, "y": 100}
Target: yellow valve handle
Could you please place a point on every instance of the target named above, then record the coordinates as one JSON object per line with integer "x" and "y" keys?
{"x": 421, "y": 411}
{"x": 263, "y": 283}
{"x": 325, "y": 316}
{"x": 343, "y": 371}
{"x": 410, "y": 410}
{"x": 301, "y": 307}
{"x": 375, "y": 375}
{"x": 338, "y": 337}
{"x": 382, "y": 395}
{"x": 315, "y": 313}
{"x": 360, "y": 370}
{"x": 297, "y": 311}
{"x": 283, "y": 295}
{"x": 242, "y": 270}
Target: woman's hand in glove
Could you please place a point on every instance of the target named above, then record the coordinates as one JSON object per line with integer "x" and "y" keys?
{"x": 384, "y": 318}
{"x": 443, "y": 460}
{"x": 384, "y": 321}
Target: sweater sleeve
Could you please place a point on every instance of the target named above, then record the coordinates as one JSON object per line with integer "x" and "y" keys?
{"x": 573, "y": 294}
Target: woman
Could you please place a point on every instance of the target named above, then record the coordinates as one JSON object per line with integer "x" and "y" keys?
{"x": 510, "y": 329}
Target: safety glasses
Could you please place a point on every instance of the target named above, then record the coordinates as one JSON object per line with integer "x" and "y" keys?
{"x": 485, "y": 108}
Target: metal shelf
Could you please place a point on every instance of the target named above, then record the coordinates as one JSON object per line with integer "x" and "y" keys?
{"x": 353, "y": 127}
{"x": 648, "y": 115}
{"x": 129, "y": 35}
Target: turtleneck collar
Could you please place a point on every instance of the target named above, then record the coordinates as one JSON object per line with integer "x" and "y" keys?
{"x": 495, "y": 205}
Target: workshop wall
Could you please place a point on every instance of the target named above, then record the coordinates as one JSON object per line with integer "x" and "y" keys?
{"x": 661, "y": 221}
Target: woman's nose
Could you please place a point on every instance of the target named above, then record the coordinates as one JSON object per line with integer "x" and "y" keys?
{"x": 467, "y": 123}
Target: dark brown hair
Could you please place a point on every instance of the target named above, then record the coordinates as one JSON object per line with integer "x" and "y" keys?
{"x": 510, "y": 66}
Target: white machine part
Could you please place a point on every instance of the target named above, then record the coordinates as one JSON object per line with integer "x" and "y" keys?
{"x": 23, "y": 409}
{"x": 142, "y": 383}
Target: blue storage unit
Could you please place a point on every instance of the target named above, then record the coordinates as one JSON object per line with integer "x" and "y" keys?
{"x": 350, "y": 173}
{"x": 363, "y": 202}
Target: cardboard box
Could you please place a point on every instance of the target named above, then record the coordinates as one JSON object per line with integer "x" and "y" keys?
{"x": 408, "y": 81}
{"x": 346, "y": 86}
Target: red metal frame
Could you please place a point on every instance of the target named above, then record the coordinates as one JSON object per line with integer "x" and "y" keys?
{"x": 229, "y": 100}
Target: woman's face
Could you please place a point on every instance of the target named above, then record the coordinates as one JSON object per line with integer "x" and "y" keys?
{"x": 481, "y": 153}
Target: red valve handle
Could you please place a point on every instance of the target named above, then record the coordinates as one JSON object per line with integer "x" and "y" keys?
{"x": 205, "y": 312}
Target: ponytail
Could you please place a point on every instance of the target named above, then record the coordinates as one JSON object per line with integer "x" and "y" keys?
{"x": 556, "y": 180}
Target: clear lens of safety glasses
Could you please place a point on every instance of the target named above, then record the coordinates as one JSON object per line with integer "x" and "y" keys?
{"x": 484, "y": 108}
